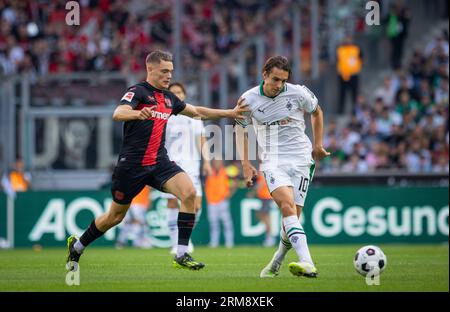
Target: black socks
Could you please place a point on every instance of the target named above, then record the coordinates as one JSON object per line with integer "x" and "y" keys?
{"x": 90, "y": 235}
{"x": 186, "y": 222}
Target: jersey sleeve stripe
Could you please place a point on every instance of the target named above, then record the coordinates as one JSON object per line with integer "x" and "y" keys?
{"x": 241, "y": 122}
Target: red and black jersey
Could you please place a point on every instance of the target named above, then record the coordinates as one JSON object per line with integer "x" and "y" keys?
{"x": 143, "y": 140}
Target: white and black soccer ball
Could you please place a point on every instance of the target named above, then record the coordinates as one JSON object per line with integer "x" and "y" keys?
{"x": 370, "y": 259}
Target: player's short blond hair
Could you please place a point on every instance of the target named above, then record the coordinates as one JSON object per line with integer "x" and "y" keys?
{"x": 157, "y": 56}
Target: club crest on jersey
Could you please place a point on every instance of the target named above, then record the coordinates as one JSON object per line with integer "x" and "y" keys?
{"x": 289, "y": 105}
{"x": 272, "y": 180}
{"x": 168, "y": 102}
{"x": 128, "y": 96}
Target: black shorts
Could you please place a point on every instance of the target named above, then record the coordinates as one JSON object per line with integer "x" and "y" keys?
{"x": 128, "y": 181}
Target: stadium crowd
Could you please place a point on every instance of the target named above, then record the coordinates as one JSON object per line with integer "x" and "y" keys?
{"x": 406, "y": 126}
{"x": 115, "y": 35}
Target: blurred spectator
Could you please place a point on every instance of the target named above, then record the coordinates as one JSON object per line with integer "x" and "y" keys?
{"x": 332, "y": 163}
{"x": 410, "y": 133}
{"x": 218, "y": 193}
{"x": 441, "y": 166}
{"x": 397, "y": 31}
{"x": 406, "y": 84}
{"x": 20, "y": 179}
{"x": 349, "y": 66}
{"x": 115, "y": 35}
{"x": 386, "y": 92}
{"x": 355, "y": 165}
{"x": 349, "y": 138}
{"x": 441, "y": 91}
{"x": 438, "y": 45}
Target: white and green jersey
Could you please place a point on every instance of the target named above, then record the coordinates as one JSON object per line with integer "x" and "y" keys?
{"x": 279, "y": 124}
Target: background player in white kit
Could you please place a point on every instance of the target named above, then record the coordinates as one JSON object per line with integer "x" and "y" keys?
{"x": 277, "y": 113}
{"x": 184, "y": 139}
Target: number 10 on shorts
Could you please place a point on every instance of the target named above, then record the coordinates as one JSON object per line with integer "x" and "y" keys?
{"x": 303, "y": 187}
{"x": 304, "y": 182}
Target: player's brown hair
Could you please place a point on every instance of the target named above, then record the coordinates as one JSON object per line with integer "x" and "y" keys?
{"x": 279, "y": 62}
{"x": 157, "y": 56}
{"x": 177, "y": 84}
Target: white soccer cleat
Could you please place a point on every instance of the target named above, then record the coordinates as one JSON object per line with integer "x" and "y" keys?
{"x": 303, "y": 269}
{"x": 271, "y": 270}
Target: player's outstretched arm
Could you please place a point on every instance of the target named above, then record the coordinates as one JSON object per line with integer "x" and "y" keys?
{"x": 203, "y": 148}
{"x": 205, "y": 113}
{"x": 250, "y": 173}
{"x": 318, "y": 152}
{"x": 126, "y": 113}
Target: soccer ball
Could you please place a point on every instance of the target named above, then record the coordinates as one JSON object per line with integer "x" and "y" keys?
{"x": 370, "y": 259}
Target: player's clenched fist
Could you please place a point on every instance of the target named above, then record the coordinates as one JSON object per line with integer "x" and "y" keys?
{"x": 145, "y": 113}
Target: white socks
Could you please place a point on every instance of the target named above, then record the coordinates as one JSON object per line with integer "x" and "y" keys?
{"x": 297, "y": 238}
{"x": 78, "y": 247}
{"x": 283, "y": 246}
{"x": 172, "y": 219}
{"x": 181, "y": 250}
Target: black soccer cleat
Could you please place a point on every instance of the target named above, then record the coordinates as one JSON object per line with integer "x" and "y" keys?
{"x": 73, "y": 257}
{"x": 186, "y": 262}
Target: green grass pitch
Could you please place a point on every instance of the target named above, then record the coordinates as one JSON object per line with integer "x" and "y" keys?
{"x": 410, "y": 268}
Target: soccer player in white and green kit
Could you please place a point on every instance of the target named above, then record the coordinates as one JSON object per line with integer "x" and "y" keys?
{"x": 288, "y": 158}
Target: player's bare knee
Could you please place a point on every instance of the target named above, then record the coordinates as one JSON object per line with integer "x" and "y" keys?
{"x": 188, "y": 195}
{"x": 116, "y": 217}
{"x": 172, "y": 203}
{"x": 287, "y": 208}
{"x": 119, "y": 218}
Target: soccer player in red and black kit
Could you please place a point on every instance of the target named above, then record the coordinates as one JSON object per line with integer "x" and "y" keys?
{"x": 145, "y": 109}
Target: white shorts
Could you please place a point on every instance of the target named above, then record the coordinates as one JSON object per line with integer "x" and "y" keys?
{"x": 299, "y": 177}
{"x": 195, "y": 178}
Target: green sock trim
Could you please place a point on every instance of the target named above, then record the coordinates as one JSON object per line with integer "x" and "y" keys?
{"x": 294, "y": 228}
